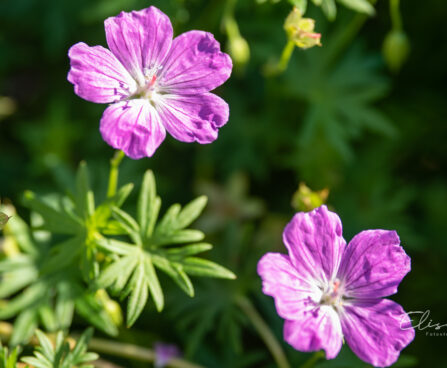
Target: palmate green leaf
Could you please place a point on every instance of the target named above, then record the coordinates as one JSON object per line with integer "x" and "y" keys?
{"x": 24, "y": 326}
{"x": 131, "y": 273}
{"x": 8, "y": 359}
{"x": 60, "y": 356}
{"x": 341, "y": 102}
{"x": 57, "y": 222}
{"x": 62, "y": 255}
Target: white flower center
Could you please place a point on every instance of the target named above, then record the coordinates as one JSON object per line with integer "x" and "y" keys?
{"x": 149, "y": 88}
{"x": 333, "y": 294}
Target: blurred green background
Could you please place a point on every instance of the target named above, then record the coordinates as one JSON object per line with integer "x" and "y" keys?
{"x": 335, "y": 119}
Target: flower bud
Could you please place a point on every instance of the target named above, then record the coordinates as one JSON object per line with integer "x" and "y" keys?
{"x": 239, "y": 50}
{"x": 301, "y": 30}
{"x": 396, "y": 48}
{"x": 111, "y": 307}
{"x": 305, "y": 199}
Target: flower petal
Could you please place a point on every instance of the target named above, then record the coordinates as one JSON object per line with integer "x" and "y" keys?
{"x": 195, "y": 64}
{"x": 315, "y": 330}
{"x": 315, "y": 244}
{"x": 376, "y": 330}
{"x": 134, "y": 127}
{"x": 280, "y": 279}
{"x": 97, "y": 74}
{"x": 373, "y": 264}
{"x": 193, "y": 118}
{"x": 140, "y": 39}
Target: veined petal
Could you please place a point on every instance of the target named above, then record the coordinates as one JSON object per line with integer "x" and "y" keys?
{"x": 373, "y": 264}
{"x": 315, "y": 330}
{"x": 293, "y": 295}
{"x": 133, "y": 127}
{"x": 193, "y": 118}
{"x": 194, "y": 64}
{"x": 315, "y": 244}
{"x": 139, "y": 39}
{"x": 97, "y": 74}
{"x": 376, "y": 330}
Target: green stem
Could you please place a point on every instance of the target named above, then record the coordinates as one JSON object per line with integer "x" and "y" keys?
{"x": 130, "y": 351}
{"x": 313, "y": 359}
{"x": 285, "y": 56}
{"x": 113, "y": 176}
{"x": 264, "y": 331}
{"x": 396, "y": 18}
{"x": 346, "y": 37}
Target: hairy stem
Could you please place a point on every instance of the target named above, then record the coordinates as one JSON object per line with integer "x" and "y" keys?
{"x": 264, "y": 331}
{"x": 113, "y": 176}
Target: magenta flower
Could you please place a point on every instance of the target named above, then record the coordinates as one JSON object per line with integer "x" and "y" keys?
{"x": 154, "y": 83}
{"x": 327, "y": 290}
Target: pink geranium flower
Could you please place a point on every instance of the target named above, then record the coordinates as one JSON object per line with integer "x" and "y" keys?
{"x": 327, "y": 290}
{"x": 154, "y": 83}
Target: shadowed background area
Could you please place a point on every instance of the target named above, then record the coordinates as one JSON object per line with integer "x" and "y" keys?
{"x": 336, "y": 119}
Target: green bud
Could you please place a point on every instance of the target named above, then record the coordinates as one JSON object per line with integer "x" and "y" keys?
{"x": 306, "y": 200}
{"x": 239, "y": 50}
{"x": 396, "y": 48}
{"x": 111, "y": 307}
{"x": 301, "y": 30}
{"x": 3, "y": 220}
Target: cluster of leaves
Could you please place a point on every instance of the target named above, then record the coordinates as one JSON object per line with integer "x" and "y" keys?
{"x": 89, "y": 248}
{"x": 48, "y": 356}
{"x": 329, "y": 7}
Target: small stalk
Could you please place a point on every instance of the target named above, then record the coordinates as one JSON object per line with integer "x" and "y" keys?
{"x": 134, "y": 352}
{"x": 396, "y": 18}
{"x": 264, "y": 331}
{"x": 113, "y": 176}
{"x": 285, "y": 56}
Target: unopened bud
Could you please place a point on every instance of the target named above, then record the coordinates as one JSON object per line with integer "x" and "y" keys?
{"x": 301, "y": 30}
{"x": 396, "y": 48}
{"x": 239, "y": 50}
{"x": 111, "y": 307}
{"x": 305, "y": 199}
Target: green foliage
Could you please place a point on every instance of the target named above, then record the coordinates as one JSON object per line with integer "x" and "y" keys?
{"x": 8, "y": 359}
{"x": 48, "y": 281}
{"x": 61, "y": 356}
{"x": 341, "y": 97}
{"x": 132, "y": 271}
